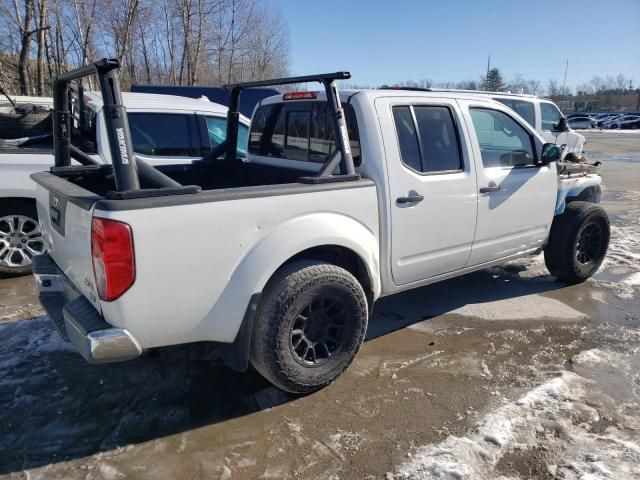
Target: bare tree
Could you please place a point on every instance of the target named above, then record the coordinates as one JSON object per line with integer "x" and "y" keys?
{"x": 26, "y": 33}
{"x": 42, "y": 27}
{"x": 553, "y": 88}
{"x": 167, "y": 41}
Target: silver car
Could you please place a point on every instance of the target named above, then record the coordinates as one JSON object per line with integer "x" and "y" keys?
{"x": 581, "y": 122}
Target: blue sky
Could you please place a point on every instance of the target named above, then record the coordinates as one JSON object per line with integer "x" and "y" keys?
{"x": 395, "y": 40}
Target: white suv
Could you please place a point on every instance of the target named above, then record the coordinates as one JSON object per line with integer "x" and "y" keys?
{"x": 543, "y": 115}
{"x": 547, "y": 119}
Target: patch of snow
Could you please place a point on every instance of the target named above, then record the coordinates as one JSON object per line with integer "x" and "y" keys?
{"x": 558, "y": 415}
{"x": 624, "y": 246}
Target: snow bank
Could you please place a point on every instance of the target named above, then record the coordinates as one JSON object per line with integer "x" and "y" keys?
{"x": 563, "y": 418}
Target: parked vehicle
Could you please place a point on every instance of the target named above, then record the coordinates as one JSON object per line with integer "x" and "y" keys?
{"x": 604, "y": 122}
{"x": 569, "y": 116}
{"x": 219, "y": 95}
{"x": 165, "y": 130}
{"x": 582, "y": 122}
{"x": 280, "y": 256}
{"x": 623, "y": 121}
{"x": 543, "y": 115}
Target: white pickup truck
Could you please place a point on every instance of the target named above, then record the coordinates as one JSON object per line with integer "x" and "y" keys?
{"x": 165, "y": 130}
{"x": 280, "y": 257}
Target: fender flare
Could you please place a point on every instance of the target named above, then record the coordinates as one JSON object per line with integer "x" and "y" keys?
{"x": 581, "y": 186}
{"x": 255, "y": 269}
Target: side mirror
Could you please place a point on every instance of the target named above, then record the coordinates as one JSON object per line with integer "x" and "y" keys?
{"x": 550, "y": 153}
{"x": 562, "y": 125}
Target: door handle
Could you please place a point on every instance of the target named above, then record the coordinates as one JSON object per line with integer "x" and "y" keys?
{"x": 490, "y": 188}
{"x": 409, "y": 199}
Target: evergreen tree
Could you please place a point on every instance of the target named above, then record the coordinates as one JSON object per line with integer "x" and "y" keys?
{"x": 493, "y": 82}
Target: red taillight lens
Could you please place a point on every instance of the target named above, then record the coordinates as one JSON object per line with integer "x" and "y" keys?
{"x": 113, "y": 259}
{"x": 299, "y": 96}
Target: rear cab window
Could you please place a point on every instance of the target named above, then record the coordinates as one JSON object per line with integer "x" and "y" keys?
{"x": 300, "y": 130}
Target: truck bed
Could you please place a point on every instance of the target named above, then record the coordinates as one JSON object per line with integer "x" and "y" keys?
{"x": 207, "y": 175}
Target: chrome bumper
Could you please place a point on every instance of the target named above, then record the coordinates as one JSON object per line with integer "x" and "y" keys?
{"x": 77, "y": 321}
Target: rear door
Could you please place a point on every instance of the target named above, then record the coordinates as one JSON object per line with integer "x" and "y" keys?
{"x": 432, "y": 186}
{"x": 516, "y": 199}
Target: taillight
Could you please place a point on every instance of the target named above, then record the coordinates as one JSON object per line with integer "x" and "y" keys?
{"x": 299, "y": 96}
{"x": 113, "y": 258}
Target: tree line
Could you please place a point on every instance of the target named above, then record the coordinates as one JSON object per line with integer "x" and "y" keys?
{"x": 494, "y": 81}
{"x": 178, "y": 42}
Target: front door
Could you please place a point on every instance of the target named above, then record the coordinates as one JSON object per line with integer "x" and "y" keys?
{"x": 432, "y": 187}
{"x": 516, "y": 199}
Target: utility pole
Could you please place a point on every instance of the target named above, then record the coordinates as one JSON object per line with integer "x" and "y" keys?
{"x": 564, "y": 82}
{"x": 486, "y": 81}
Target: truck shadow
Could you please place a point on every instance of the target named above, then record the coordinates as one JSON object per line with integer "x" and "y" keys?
{"x": 56, "y": 407}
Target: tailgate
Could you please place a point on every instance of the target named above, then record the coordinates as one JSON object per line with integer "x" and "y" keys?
{"x": 65, "y": 213}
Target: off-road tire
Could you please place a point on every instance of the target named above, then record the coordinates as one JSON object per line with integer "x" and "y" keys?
{"x": 18, "y": 125}
{"x": 562, "y": 253}
{"x": 23, "y": 207}
{"x": 292, "y": 289}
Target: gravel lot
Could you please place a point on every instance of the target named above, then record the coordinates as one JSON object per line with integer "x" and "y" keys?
{"x": 503, "y": 373}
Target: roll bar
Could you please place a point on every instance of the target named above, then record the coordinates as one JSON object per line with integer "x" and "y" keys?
{"x": 340, "y": 156}
{"x": 123, "y": 160}
{"x": 128, "y": 170}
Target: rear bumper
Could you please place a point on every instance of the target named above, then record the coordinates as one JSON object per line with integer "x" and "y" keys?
{"x": 77, "y": 321}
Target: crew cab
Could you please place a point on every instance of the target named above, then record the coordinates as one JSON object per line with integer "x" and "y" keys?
{"x": 279, "y": 257}
{"x": 547, "y": 119}
{"x": 165, "y": 130}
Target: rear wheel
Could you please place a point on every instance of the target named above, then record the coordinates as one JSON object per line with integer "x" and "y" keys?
{"x": 309, "y": 327}
{"x": 578, "y": 242}
{"x": 20, "y": 236}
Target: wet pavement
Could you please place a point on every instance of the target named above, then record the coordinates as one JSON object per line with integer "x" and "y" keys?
{"x": 442, "y": 366}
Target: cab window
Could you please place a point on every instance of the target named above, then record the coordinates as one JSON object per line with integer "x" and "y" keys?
{"x": 301, "y": 131}
{"x": 550, "y": 116}
{"x": 428, "y": 139}
{"x": 503, "y": 141}
{"x": 162, "y": 134}
{"x": 521, "y": 107}
{"x": 217, "y": 130}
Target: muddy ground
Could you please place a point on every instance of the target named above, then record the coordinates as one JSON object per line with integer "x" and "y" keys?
{"x": 501, "y": 373}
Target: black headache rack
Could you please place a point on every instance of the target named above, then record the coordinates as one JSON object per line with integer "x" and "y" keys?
{"x": 128, "y": 170}
{"x": 341, "y": 156}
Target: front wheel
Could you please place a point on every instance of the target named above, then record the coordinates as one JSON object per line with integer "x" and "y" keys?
{"x": 309, "y": 327}
{"x": 578, "y": 242}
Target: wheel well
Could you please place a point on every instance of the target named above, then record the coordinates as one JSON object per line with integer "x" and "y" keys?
{"x": 342, "y": 257}
{"x": 589, "y": 194}
{"x": 9, "y": 204}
